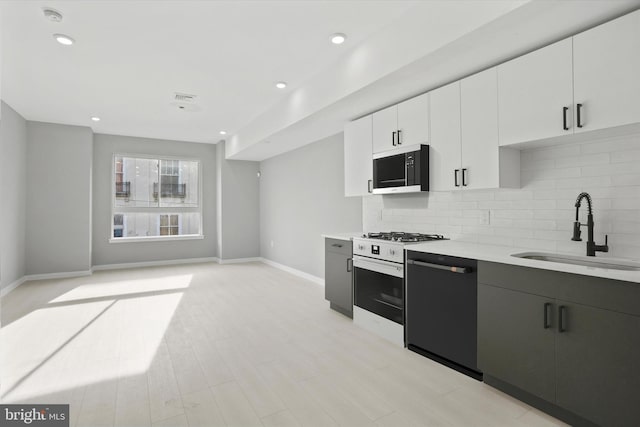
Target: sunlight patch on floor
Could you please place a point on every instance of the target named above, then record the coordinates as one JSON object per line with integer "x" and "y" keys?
{"x": 125, "y": 287}
{"x": 79, "y": 341}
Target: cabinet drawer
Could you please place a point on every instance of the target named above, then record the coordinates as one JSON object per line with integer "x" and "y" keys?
{"x": 339, "y": 246}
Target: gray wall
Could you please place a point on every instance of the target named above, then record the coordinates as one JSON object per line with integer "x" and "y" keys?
{"x": 13, "y": 190}
{"x": 117, "y": 253}
{"x": 301, "y": 197}
{"x": 58, "y": 198}
{"x": 239, "y": 205}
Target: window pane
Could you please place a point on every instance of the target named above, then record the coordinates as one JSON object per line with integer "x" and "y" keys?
{"x": 135, "y": 185}
{"x": 178, "y": 183}
{"x": 149, "y": 224}
{"x": 118, "y": 225}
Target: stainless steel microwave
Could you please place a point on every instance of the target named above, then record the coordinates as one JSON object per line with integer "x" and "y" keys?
{"x": 403, "y": 170}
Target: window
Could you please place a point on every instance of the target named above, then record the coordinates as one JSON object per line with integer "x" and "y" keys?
{"x": 155, "y": 198}
{"x": 122, "y": 187}
{"x": 169, "y": 225}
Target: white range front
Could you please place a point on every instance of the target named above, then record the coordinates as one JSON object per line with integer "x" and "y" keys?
{"x": 379, "y": 266}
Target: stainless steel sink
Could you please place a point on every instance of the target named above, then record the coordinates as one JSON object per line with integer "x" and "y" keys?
{"x": 612, "y": 264}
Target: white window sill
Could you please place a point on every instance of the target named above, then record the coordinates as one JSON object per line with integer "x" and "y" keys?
{"x": 155, "y": 238}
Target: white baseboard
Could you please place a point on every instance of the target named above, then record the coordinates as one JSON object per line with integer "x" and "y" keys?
{"x": 65, "y": 275}
{"x": 315, "y": 279}
{"x": 62, "y": 275}
{"x": 154, "y": 263}
{"x": 4, "y": 291}
{"x": 45, "y": 276}
{"x": 239, "y": 260}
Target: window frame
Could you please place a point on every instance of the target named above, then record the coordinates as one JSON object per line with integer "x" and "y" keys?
{"x": 156, "y": 210}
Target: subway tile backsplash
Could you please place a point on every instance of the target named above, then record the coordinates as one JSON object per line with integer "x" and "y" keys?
{"x": 540, "y": 214}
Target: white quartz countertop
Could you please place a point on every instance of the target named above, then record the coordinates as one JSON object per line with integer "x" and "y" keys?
{"x": 502, "y": 254}
{"x": 342, "y": 236}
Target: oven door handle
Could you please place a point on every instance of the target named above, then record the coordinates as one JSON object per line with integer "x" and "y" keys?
{"x": 389, "y": 268}
{"x": 450, "y": 268}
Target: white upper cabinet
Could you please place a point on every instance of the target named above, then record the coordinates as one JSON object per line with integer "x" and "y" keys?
{"x": 406, "y": 123}
{"x": 358, "y": 161}
{"x": 444, "y": 147}
{"x": 385, "y": 129}
{"x": 413, "y": 120}
{"x": 484, "y": 164}
{"x": 535, "y": 95}
{"x": 479, "y": 112}
{"x": 607, "y": 74}
{"x": 464, "y": 150}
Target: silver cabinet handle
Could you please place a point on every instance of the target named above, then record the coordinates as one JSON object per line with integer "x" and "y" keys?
{"x": 450, "y": 268}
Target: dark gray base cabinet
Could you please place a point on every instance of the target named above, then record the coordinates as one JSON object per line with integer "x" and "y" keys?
{"x": 570, "y": 340}
{"x": 598, "y": 365}
{"x": 513, "y": 345}
{"x": 338, "y": 275}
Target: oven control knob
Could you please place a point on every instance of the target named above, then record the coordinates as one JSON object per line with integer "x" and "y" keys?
{"x": 361, "y": 247}
{"x": 392, "y": 251}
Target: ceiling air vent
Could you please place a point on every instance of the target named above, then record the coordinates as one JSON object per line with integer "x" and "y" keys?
{"x": 184, "y": 97}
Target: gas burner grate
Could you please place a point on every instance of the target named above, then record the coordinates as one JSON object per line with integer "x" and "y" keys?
{"x": 398, "y": 236}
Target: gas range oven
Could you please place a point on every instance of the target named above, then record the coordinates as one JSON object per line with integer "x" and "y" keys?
{"x": 379, "y": 285}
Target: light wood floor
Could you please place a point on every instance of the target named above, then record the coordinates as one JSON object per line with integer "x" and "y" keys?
{"x": 235, "y": 345}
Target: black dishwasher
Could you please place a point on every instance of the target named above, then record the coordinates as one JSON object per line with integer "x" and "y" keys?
{"x": 441, "y": 310}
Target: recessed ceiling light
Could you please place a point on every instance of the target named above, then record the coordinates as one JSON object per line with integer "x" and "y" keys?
{"x": 281, "y": 85}
{"x": 51, "y": 14}
{"x": 95, "y": 119}
{"x": 63, "y": 39}
{"x": 223, "y": 132}
{"x": 338, "y": 38}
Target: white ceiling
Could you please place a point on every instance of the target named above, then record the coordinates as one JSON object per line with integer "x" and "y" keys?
{"x": 437, "y": 43}
{"x": 131, "y": 56}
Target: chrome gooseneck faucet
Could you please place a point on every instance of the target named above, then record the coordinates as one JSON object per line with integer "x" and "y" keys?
{"x": 592, "y": 248}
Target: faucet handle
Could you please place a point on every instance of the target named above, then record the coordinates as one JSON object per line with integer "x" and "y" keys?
{"x": 605, "y": 247}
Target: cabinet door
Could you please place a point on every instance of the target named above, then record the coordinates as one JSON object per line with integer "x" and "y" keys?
{"x": 444, "y": 152}
{"x": 598, "y": 365}
{"x": 532, "y": 92}
{"x": 413, "y": 120}
{"x": 479, "y": 112}
{"x": 358, "y": 160}
{"x": 338, "y": 286}
{"x": 385, "y": 123}
{"x": 513, "y": 343}
{"x": 606, "y": 69}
